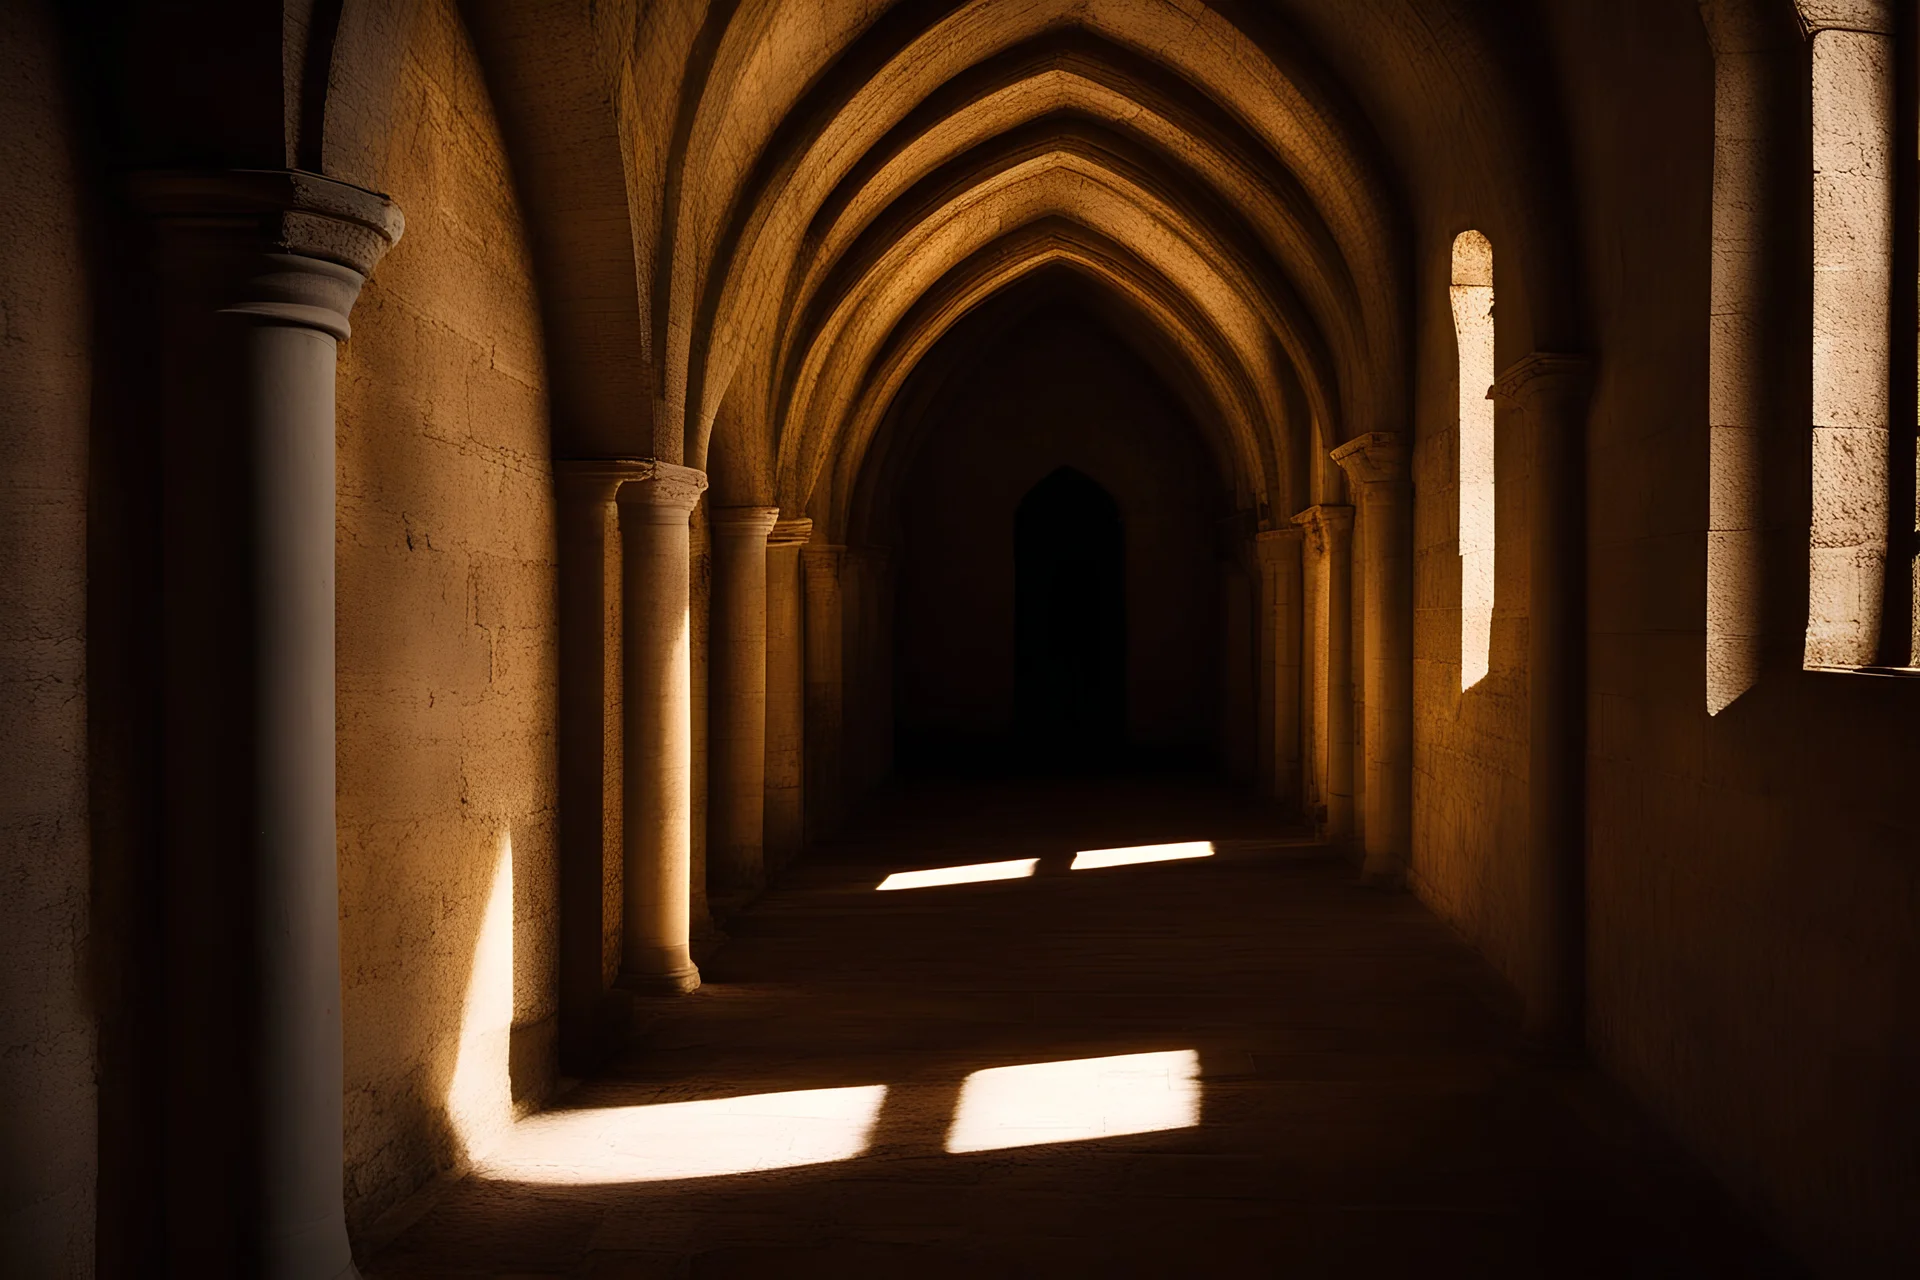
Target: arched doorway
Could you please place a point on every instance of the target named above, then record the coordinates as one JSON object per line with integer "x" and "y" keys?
{"x": 1070, "y": 622}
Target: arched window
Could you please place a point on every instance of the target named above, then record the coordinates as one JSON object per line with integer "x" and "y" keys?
{"x": 1473, "y": 334}
{"x": 1861, "y": 555}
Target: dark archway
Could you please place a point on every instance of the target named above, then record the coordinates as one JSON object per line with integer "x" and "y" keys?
{"x": 1070, "y": 622}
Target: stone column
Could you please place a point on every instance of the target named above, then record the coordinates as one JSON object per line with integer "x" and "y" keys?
{"x": 656, "y": 655}
{"x": 590, "y": 750}
{"x": 784, "y": 827}
{"x": 1376, "y": 467}
{"x": 1550, "y": 393}
{"x": 737, "y": 739}
{"x": 1239, "y": 727}
{"x": 1328, "y": 531}
{"x": 1279, "y": 551}
{"x": 260, "y": 270}
{"x": 826, "y": 690}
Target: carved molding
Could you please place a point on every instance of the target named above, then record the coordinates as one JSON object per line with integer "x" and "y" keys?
{"x": 663, "y": 485}
{"x": 290, "y": 211}
{"x": 1379, "y": 457}
{"x": 1544, "y": 373}
{"x": 742, "y": 522}
{"x": 1324, "y": 526}
{"x": 794, "y": 532}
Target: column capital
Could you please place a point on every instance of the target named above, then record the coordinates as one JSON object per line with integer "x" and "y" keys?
{"x": 796, "y": 531}
{"x": 1543, "y": 377}
{"x": 1325, "y": 524}
{"x": 742, "y": 522}
{"x": 671, "y": 489}
{"x": 597, "y": 479}
{"x": 1272, "y": 544}
{"x": 1379, "y": 457}
{"x": 291, "y": 210}
{"x": 279, "y": 246}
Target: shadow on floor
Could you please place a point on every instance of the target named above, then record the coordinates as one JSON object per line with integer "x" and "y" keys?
{"x": 1358, "y": 1102}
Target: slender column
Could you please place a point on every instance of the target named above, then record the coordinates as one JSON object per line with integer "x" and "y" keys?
{"x": 867, "y": 668}
{"x": 705, "y": 933}
{"x": 262, "y": 269}
{"x": 1376, "y": 467}
{"x": 826, "y": 691}
{"x": 1279, "y": 551}
{"x": 589, "y": 749}
{"x": 1239, "y": 728}
{"x": 1329, "y": 533}
{"x": 1264, "y": 636}
{"x": 656, "y": 654}
{"x": 785, "y": 831}
{"x": 737, "y": 738}
{"x": 1550, "y": 392}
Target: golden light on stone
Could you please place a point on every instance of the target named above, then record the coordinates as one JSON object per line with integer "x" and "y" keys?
{"x": 708, "y": 1138}
{"x": 1093, "y": 859}
{"x": 1076, "y": 1100}
{"x": 979, "y": 872}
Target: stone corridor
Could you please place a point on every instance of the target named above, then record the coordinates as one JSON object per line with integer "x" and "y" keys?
{"x": 1364, "y": 1106}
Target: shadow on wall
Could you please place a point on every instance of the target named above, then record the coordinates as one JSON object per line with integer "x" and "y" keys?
{"x": 1057, "y": 598}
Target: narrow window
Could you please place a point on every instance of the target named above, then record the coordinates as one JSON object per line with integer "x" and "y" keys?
{"x": 1854, "y": 185}
{"x": 1473, "y": 333}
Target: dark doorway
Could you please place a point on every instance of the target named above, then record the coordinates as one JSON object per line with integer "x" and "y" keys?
{"x": 1070, "y": 623}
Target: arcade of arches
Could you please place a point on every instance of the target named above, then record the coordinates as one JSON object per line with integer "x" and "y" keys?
{"x": 1348, "y": 564}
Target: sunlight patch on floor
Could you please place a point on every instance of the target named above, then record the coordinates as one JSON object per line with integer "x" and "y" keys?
{"x": 1017, "y": 869}
{"x": 1072, "y": 1101}
{"x": 705, "y": 1139}
{"x": 480, "y": 1093}
{"x": 1090, "y": 859}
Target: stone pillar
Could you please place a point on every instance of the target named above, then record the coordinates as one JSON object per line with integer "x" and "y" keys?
{"x": 1376, "y": 467}
{"x": 260, "y": 270}
{"x": 826, "y": 690}
{"x": 1239, "y": 727}
{"x": 590, "y": 750}
{"x": 784, "y": 825}
{"x": 867, "y": 664}
{"x": 737, "y": 737}
{"x": 705, "y": 933}
{"x": 1550, "y": 393}
{"x": 1279, "y": 551}
{"x": 656, "y": 655}
{"x": 1328, "y": 532}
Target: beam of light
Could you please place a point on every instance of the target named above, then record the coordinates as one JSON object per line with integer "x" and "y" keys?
{"x": 1072, "y": 1101}
{"x": 480, "y": 1092}
{"x": 1017, "y": 869}
{"x": 1089, "y": 859}
{"x": 706, "y": 1139}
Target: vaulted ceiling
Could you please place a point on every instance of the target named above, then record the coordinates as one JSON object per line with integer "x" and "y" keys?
{"x": 753, "y": 219}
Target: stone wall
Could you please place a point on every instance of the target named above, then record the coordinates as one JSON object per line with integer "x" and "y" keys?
{"x": 446, "y": 654}
{"x": 47, "y": 1042}
{"x": 1754, "y": 875}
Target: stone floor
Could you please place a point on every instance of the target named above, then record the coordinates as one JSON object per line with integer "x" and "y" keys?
{"x": 1362, "y": 1107}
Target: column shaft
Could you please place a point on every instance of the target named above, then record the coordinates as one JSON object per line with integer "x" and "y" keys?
{"x": 826, "y": 690}
{"x": 737, "y": 735}
{"x": 263, "y": 269}
{"x": 1329, "y": 532}
{"x": 1550, "y": 391}
{"x": 656, "y": 668}
{"x": 784, "y": 827}
{"x": 1376, "y": 465}
{"x": 1280, "y": 554}
{"x": 590, "y": 751}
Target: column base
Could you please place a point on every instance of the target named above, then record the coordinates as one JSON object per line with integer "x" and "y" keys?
{"x": 678, "y": 982}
